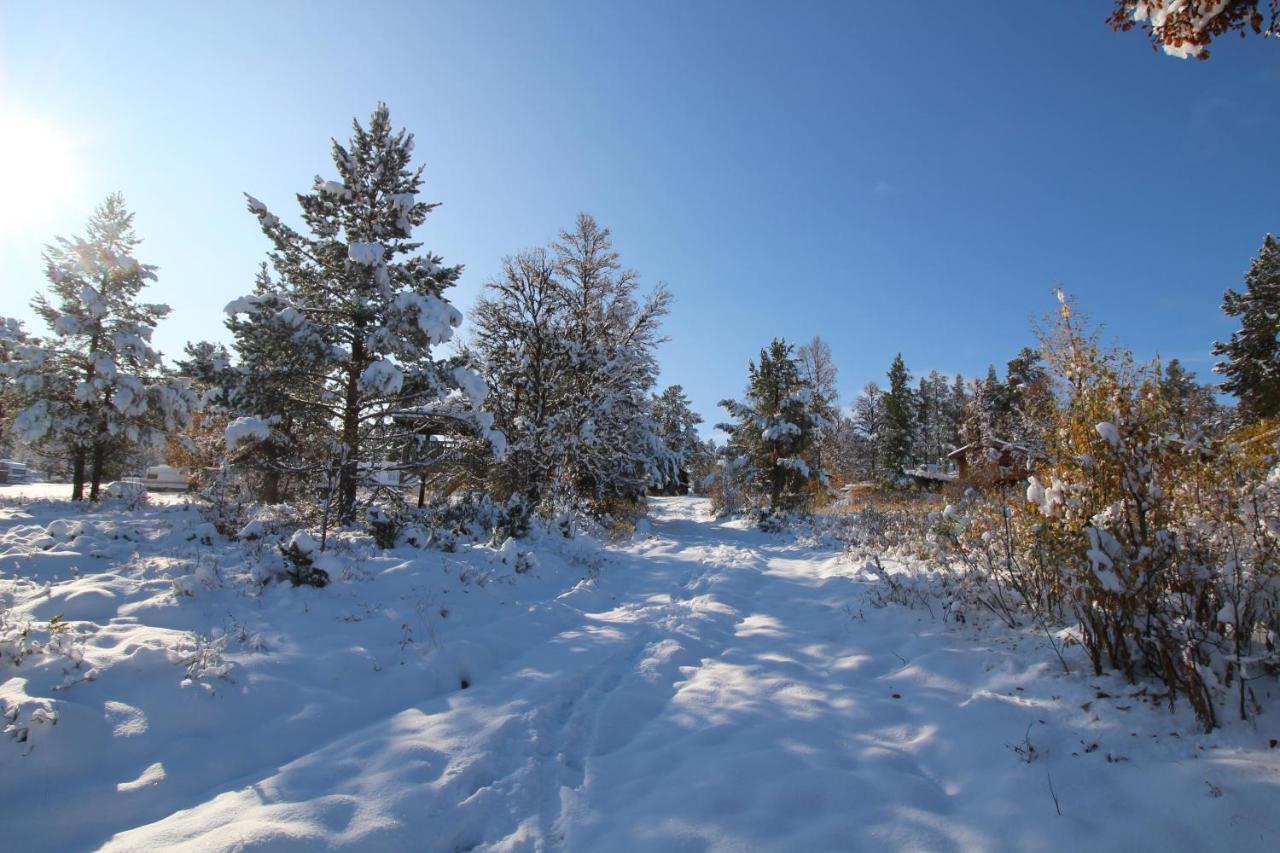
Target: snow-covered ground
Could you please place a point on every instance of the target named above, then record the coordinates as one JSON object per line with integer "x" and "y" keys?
{"x": 705, "y": 687}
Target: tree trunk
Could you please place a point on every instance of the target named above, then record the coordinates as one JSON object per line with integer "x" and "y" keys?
{"x": 349, "y": 474}
{"x": 77, "y": 474}
{"x": 99, "y": 452}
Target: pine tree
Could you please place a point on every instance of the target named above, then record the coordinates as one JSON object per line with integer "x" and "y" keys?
{"x": 518, "y": 342}
{"x": 677, "y": 426}
{"x": 13, "y": 341}
{"x": 818, "y": 370}
{"x": 934, "y": 419}
{"x": 1251, "y": 362}
{"x": 567, "y": 342}
{"x": 773, "y": 440}
{"x": 1193, "y": 411}
{"x": 613, "y": 452}
{"x": 272, "y": 381}
{"x": 957, "y": 407}
{"x": 356, "y": 308}
{"x": 899, "y": 426}
{"x": 986, "y": 410}
{"x": 1025, "y": 395}
{"x": 95, "y": 388}
{"x": 207, "y": 367}
{"x": 867, "y": 434}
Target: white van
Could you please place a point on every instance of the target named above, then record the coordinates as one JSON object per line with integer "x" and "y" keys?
{"x": 166, "y": 478}
{"x": 13, "y": 473}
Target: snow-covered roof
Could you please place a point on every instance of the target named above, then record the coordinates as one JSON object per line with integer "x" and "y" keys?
{"x": 995, "y": 443}
{"x": 927, "y": 474}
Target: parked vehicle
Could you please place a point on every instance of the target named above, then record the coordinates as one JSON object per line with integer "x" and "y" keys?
{"x": 12, "y": 473}
{"x": 128, "y": 490}
{"x": 166, "y": 478}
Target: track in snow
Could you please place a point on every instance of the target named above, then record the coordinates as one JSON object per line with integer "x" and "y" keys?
{"x": 718, "y": 689}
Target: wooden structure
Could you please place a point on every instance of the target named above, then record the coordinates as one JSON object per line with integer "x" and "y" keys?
{"x": 992, "y": 461}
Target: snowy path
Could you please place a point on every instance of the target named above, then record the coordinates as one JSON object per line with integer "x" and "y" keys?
{"x": 719, "y": 689}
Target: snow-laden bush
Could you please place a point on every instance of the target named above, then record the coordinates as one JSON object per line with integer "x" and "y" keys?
{"x": 201, "y": 659}
{"x": 301, "y": 555}
{"x": 386, "y": 522}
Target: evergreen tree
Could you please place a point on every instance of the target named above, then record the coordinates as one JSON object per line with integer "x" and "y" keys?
{"x": 518, "y": 342}
{"x": 94, "y": 390}
{"x": 867, "y": 433}
{"x": 567, "y": 342}
{"x": 677, "y": 426}
{"x": 773, "y": 440}
{"x": 277, "y": 368}
{"x": 899, "y": 424}
{"x": 702, "y": 466}
{"x": 818, "y": 370}
{"x": 1251, "y": 362}
{"x": 986, "y": 408}
{"x": 612, "y": 449}
{"x": 935, "y": 425}
{"x": 957, "y": 405}
{"x": 1024, "y": 395}
{"x": 13, "y": 341}
{"x": 1193, "y": 411}
{"x": 356, "y": 309}
{"x": 207, "y": 367}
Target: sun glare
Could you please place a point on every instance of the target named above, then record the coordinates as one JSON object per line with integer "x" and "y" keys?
{"x": 39, "y": 173}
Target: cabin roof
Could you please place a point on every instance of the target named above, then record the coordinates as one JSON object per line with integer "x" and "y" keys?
{"x": 991, "y": 443}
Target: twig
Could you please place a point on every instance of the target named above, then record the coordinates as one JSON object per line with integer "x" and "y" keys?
{"x": 1053, "y": 793}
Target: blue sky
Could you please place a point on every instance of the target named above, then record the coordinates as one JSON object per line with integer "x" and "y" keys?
{"x": 892, "y": 177}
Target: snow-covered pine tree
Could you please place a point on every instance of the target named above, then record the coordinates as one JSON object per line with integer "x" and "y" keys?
{"x": 1026, "y": 393}
{"x": 364, "y": 307}
{"x": 1251, "y": 359}
{"x": 518, "y": 343}
{"x": 985, "y": 408}
{"x": 957, "y": 405}
{"x": 933, "y": 428}
{"x": 899, "y": 428}
{"x": 613, "y": 452}
{"x": 773, "y": 439}
{"x": 95, "y": 388}
{"x": 818, "y": 370}
{"x": 1192, "y": 409}
{"x": 207, "y": 367}
{"x": 13, "y": 337}
{"x": 279, "y": 440}
{"x": 567, "y": 343}
{"x": 867, "y": 433}
{"x": 677, "y": 425}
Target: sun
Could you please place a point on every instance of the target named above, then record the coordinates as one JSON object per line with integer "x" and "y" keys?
{"x": 38, "y": 165}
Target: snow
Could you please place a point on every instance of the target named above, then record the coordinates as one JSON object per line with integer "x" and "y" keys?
{"x": 334, "y": 188}
{"x": 795, "y": 463}
{"x": 1109, "y": 433}
{"x": 779, "y": 430}
{"x": 366, "y": 254}
{"x": 265, "y": 216}
{"x": 243, "y": 305}
{"x": 245, "y": 429}
{"x": 702, "y": 687}
{"x": 67, "y": 324}
{"x": 434, "y": 316}
{"x": 382, "y": 377}
{"x": 471, "y": 384}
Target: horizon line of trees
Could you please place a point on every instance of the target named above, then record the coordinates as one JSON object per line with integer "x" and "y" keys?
{"x": 549, "y": 407}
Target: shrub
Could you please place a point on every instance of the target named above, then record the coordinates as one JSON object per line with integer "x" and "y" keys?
{"x": 300, "y": 555}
